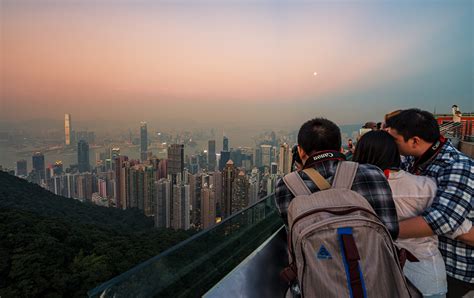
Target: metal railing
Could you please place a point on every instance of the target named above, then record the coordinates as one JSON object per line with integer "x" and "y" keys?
{"x": 193, "y": 266}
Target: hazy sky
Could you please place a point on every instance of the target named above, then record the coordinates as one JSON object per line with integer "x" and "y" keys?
{"x": 233, "y": 62}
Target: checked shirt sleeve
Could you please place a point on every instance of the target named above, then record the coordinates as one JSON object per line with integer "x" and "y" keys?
{"x": 283, "y": 197}
{"x": 452, "y": 202}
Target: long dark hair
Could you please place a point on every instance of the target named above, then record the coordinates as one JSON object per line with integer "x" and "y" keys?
{"x": 377, "y": 148}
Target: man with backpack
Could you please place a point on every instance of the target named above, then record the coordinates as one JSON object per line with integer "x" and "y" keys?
{"x": 341, "y": 222}
{"x": 429, "y": 154}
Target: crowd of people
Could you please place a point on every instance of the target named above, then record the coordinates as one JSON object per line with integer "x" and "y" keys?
{"x": 418, "y": 184}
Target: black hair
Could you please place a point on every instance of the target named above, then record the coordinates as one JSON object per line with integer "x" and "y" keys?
{"x": 319, "y": 134}
{"x": 377, "y": 148}
{"x": 415, "y": 122}
{"x": 296, "y": 156}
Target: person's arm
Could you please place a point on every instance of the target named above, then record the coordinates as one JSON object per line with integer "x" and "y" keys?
{"x": 283, "y": 196}
{"x": 451, "y": 204}
{"x": 467, "y": 238}
{"x": 414, "y": 227}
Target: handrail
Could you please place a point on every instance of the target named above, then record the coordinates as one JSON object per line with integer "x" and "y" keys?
{"x": 125, "y": 275}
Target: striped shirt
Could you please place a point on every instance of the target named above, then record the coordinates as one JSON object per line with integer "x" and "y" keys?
{"x": 452, "y": 204}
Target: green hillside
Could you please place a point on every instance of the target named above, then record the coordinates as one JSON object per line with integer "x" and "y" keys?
{"x": 56, "y": 247}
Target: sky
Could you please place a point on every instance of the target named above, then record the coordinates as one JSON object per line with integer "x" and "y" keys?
{"x": 262, "y": 64}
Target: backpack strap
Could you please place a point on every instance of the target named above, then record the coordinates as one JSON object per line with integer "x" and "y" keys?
{"x": 295, "y": 184}
{"x": 345, "y": 174}
{"x": 317, "y": 178}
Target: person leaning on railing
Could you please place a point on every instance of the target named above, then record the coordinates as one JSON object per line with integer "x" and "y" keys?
{"x": 417, "y": 136}
{"x": 412, "y": 194}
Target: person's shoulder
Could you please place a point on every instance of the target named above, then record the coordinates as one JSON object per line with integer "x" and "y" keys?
{"x": 369, "y": 173}
{"x": 368, "y": 168}
{"x": 451, "y": 159}
{"x": 422, "y": 183}
{"x": 451, "y": 155}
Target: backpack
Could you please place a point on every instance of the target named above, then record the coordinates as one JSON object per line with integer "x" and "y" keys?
{"x": 337, "y": 245}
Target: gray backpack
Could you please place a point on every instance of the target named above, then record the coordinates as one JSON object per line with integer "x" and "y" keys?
{"x": 337, "y": 245}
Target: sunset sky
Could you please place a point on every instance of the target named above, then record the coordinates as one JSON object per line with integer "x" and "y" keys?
{"x": 224, "y": 62}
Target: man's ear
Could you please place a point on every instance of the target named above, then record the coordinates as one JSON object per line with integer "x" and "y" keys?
{"x": 416, "y": 141}
{"x": 302, "y": 154}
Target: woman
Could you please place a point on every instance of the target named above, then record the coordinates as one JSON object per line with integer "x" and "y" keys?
{"x": 412, "y": 195}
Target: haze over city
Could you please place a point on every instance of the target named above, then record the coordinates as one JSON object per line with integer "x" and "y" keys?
{"x": 226, "y": 64}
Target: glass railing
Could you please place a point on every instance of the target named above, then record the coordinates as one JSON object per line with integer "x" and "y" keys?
{"x": 193, "y": 266}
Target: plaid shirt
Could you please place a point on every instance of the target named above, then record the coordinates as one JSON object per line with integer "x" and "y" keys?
{"x": 370, "y": 182}
{"x": 454, "y": 174}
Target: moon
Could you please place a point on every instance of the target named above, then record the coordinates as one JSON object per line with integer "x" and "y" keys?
{"x": 315, "y": 73}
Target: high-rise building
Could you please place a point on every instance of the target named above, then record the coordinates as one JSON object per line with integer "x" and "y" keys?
{"x": 208, "y": 207}
{"x": 21, "y": 168}
{"x": 143, "y": 141}
{"x": 39, "y": 165}
{"x": 215, "y": 183}
{"x": 254, "y": 186}
{"x": 163, "y": 204}
{"x": 58, "y": 168}
{"x": 266, "y": 151}
{"x": 120, "y": 181}
{"x": 175, "y": 160}
{"x": 180, "y": 209}
{"x": 258, "y": 157}
{"x": 83, "y": 156}
{"x": 274, "y": 168}
{"x": 228, "y": 175}
{"x": 115, "y": 152}
{"x": 211, "y": 155}
{"x": 149, "y": 190}
{"x": 67, "y": 129}
{"x": 225, "y": 144}
{"x": 84, "y": 186}
{"x": 284, "y": 160}
{"x": 240, "y": 192}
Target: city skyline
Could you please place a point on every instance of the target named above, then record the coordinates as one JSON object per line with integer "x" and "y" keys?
{"x": 244, "y": 63}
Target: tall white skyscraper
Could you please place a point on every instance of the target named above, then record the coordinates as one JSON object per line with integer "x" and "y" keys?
{"x": 67, "y": 129}
{"x": 284, "y": 160}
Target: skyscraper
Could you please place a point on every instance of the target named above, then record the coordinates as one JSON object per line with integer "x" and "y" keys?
{"x": 21, "y": 168}
{"x": 119, "y": 163}
{"x": 254, "y": 187}
{"x": 215, "y": 183}
{"x": 163, "y": 204}
{"x": 67, "y": 129}
{"x": 208, "y": 207}
{"x": 211, "y": 155}
{"x": 83, "y": 156}
{"x": 180, "y": 209}
{"x": 228, "y": 175}
{"x": 225, "y": 144}
{"x": 225, "y": 153}
{"x": 266, "y": 151}
{"x": 58, "y": 168}
{"x": 284, "y": 160}
{"x": 143, "y": 141}
{"x": 38, "y": 165}
{"x": 175, "y": 159}
{"x": 240, "y": 193}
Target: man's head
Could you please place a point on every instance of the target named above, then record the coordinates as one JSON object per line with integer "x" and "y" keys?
{"x": 414, "y": 131}
{"x": 318, "y": 134}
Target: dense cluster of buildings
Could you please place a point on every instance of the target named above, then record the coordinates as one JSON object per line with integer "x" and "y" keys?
{"x": 179, "y": 191}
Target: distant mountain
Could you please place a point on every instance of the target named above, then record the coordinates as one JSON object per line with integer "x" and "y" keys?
{"x": 59, "y": 247}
